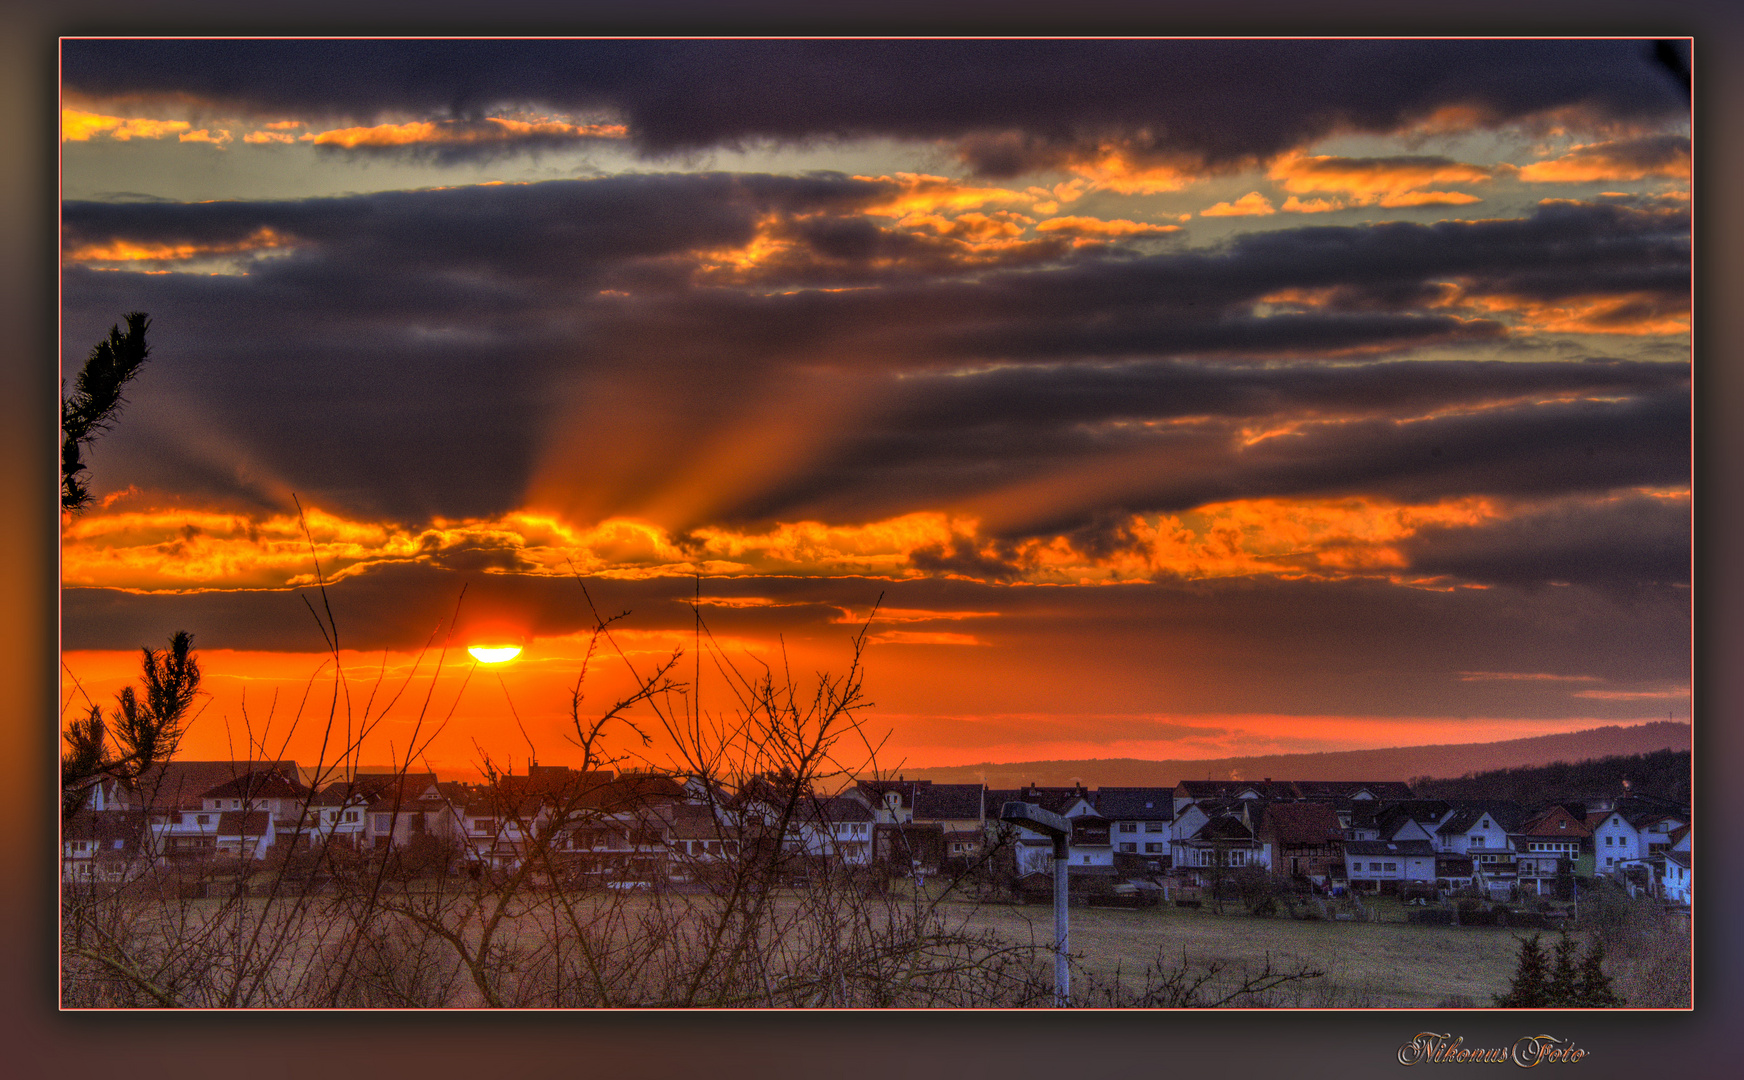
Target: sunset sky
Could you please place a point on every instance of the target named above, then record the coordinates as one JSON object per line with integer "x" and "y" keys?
{"x": 1179, "y": 398}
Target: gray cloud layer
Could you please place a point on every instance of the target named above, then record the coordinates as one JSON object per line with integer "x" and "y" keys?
{"x": 1011, "y": 105}
{"x": 416, "y": 353}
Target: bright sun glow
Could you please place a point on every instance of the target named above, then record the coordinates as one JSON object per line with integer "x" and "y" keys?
{"x": 494, "y": 654}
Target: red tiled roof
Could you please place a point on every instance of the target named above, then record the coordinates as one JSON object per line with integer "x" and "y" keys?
{"x": 252, "y": 823}
{"x": 180, "y": 783}
{"x": 260, "y": 784}
{"x": 1555, "y": 821}
{"x": 1302, "y": 823}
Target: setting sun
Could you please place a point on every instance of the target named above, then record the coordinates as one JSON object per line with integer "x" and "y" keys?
{"x": 494, "y": 654}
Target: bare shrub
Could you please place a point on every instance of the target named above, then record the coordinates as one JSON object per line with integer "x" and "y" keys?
{"x": 1207, "y": 984}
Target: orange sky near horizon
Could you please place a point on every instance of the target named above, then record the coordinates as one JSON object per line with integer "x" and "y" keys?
{"x": 270, "y": 705}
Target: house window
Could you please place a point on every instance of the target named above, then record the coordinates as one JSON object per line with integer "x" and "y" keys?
{"x": 1392, "y": 866}
{"x": 384, "y": 822}
{"x": 1374, "y": 866}
{"x": 1129, "y": 847}
{"x": 1609, "y": 840}
{"x": 351, "y": 815}
{"x": 1129, "y": 826}
{"x": 203, "y": 819}
{"x": 1153, "y": 826}
{"x": 1153, "y": 849}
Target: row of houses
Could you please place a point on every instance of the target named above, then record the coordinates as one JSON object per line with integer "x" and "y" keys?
{"x": 1365, "y": 836}
{"x": 635, "y": 828}
{"x": 643, "y": 828}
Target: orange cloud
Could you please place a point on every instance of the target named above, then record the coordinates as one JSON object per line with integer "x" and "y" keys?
{"x": 452, "y": 133}
{"x": 1629, "y": 159}
{"x": 778, "y": 252}
{"x": 973, "y": 228}
{"x": 1298, "y": 538}
{"x": 1253, "y": 204}
{"x": 1632, "y": 314}
{"x": 1428, "y": 198}
{"x": 1117, "y": 169}
{"x": 181, "y": 550}
{"x": 1302, "y": 173}
{"x": 1390, "y": 182}
{"x": 259, "y": 137}
{"x": 1294, "y": 205}
{"x": 79, "y": 126}
{"x": 909, "y": 615}
{"x": 921, "y": 637}
{"x": 113, "y": 251}
{"x": 1636, "y": 314}
{"x": 1322, "y": 539}
{"x": 920, "y": 193}
{"x": 1091, "y": 229}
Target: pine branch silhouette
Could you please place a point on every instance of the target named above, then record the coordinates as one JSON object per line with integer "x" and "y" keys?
{"x": 96, "y": 401}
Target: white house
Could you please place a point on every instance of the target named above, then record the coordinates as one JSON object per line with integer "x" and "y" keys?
{"x": 1470, "y": 832}
{"x": 243, "y": 834}
{"x": 838, "y": 830}
{"x": 1615, "y": 841}
{"x": 262, "y": 790}
{"x": 1656, "y": 827}
{"x": 1088, "y": 847}
{"x": 102, "y": 846}
{"x": 1225, "y": 841}
{"x": 1368, "y": 864}
{"x": 1138, "y": 820}
{"x": 1678, "y": 883}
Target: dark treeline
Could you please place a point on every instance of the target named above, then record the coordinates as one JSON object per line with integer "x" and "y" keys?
{"x": 1387, "y": 763}
{"x": 1663, "y": 774}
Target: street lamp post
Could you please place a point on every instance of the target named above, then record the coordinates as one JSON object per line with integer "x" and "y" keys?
{"x": 1058, "y": 829}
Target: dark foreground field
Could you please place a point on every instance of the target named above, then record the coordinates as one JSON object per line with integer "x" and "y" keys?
{"x": 1363, "y": 964}
{"x": 1384, "y": 964}
{"x": 915, "y": 950}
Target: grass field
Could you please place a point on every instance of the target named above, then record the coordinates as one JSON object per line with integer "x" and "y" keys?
{"x": 1380, "y": 964}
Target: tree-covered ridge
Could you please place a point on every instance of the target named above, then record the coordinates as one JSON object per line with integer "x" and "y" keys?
{"x": 1662, "y": 774}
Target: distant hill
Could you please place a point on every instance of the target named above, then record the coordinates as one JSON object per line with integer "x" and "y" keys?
{"x": 1662, "y": 774}
{"x": 1392, "y": 763}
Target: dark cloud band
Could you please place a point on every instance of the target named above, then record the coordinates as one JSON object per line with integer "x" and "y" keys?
{"x": 1017, "y": 105}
